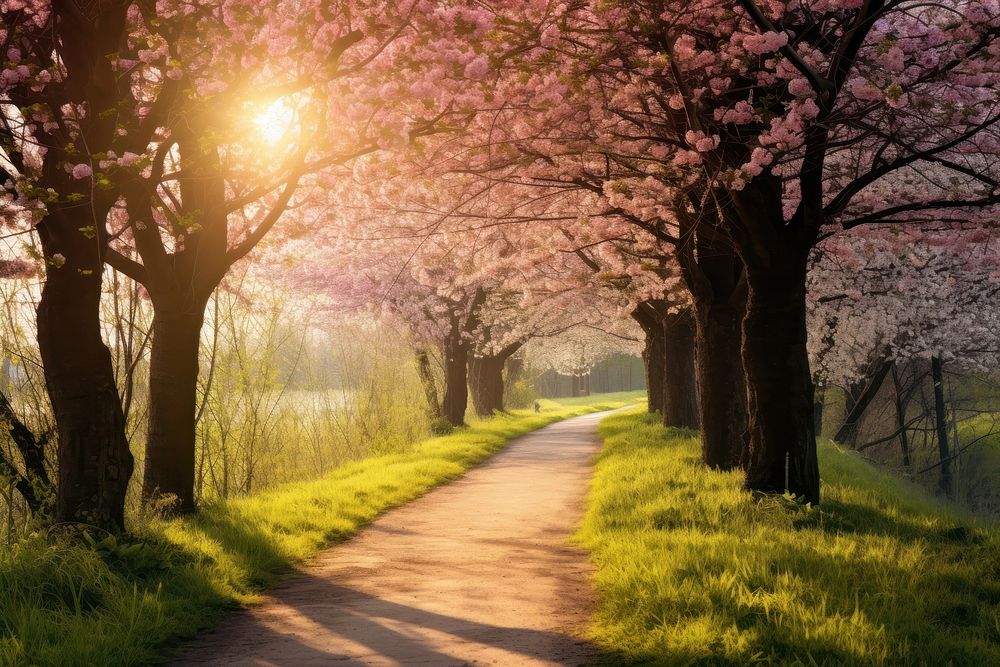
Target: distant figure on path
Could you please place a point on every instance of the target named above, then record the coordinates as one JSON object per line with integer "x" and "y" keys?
{"x": 538, "y": 407}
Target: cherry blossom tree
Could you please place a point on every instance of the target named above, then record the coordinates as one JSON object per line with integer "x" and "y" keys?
{"x": 577, "y": 350}
{"x": 66, "y": 86}
{"x": 212, "y": 118}
{"x": 788, "y": 120}
{"x": 231, "y": 158}
{"x": 904, "y": 297}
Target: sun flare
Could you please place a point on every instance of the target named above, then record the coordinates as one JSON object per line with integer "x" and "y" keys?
{"x": 274, "y": 122}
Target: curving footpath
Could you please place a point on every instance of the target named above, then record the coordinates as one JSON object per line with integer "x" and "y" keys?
{"x": 475, "y": 572}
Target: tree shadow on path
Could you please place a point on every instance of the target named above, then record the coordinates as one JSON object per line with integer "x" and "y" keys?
{"x": 320, "y": 622}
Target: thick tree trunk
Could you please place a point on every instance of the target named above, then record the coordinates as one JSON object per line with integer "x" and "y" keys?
{"x": 714, "y": 276}
{"x": 456, "y": 389}
{"x": 680, "y": 388}
{"x": 486, "y": 379}
{"x": 173, "y": 387}
{"x": 945, "y": 482}
{"x": 722, "y": 384}
{"x": 95, "y": 463}
{"x": 429, "y": 384}
{"x": 653, "y": 354}
{"x": 782, "y": 445}
{"x": 486, "y": 382}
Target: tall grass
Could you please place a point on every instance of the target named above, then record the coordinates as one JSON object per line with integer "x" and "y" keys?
{"x": 71, "y": 600}
{"x": 692, "y": 570}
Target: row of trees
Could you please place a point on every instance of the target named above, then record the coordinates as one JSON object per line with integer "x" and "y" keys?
{"x": 130, "y": 138}
{"x": 483, "y": 169}
{"x": 716, "y": 145}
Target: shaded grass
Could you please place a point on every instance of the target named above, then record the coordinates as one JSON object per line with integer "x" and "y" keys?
{"x": 692, "y": 570}
{"x": 65, "y": 600}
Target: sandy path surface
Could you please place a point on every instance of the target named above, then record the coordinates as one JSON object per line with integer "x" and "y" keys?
{"x": 475, "y": 572}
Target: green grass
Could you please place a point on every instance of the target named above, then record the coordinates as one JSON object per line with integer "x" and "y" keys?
{"x": 619, "y": 398}
{"x": 64, "y": 601}
{"x": 692, "y": 570}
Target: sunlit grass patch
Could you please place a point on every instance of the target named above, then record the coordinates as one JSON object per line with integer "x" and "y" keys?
{"x": 692, "y": 570}
{"x": 64, "y": 601}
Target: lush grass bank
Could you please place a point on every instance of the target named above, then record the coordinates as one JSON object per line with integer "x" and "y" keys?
{"x": 63, "y": 602}
{"x": 692, "y": 570}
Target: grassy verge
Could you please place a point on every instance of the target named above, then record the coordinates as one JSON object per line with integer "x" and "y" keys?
{"x": 63, "y": 602}
{"x": 692, "y": 570}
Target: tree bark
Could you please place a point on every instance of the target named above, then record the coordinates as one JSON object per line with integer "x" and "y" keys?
{"x": 900, "y": 401}
{"x": 848, "y": 433}
{"x": 515, "y": 371}
{"x": 818, "y": 403}
{"x": 941, "y": 423}
{"x": 428, "y": 382}
{"x": 713, "y": 273}
{"x": 721, "y": 383}
{"x": 173, "y": 387}
{"x": 34, "y": 484}
{"x": 680, "y": 388}
{"x": 95, "y": 463}
{"x": 653, "y": 353}
{"x": 486, "y": 382}
{"x": 653, "y": 356}
{"x": 782, "y": 444}
{"x": 456, "y": 389}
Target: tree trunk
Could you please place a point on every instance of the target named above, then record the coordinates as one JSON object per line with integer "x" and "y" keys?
{"x": 941, "y": 424}
{"x": 847, "y": 434}
{"x": 95, "y": 463}
{"x": 486, "y": 382}
{"x": 456, "y": 389}
{"x": 858, "y": 403}
{"x": 901, "y": 401}
{"x": 722, "y": 384}
{"x": 782, "y": 445}
{"x": 818, "y": 403}
{"x": 653, "y": 353}
{"x": 714, "y": 276}
{"x": 173, "y": 389}
{"x": 515, "y": 370}
{"x": 429, "y": 384}
{"x": 680, "y": 388}
{"x": 34, "y": 485}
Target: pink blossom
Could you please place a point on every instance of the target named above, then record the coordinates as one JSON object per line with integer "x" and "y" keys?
{"x": 477, "y": 68}
{"x": 765, "y": 42}
{"x": 82, "y": 170}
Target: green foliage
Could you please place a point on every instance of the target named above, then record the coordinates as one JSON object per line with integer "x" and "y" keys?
{"x": 107, "y": 601}
{"x": 441, "y": 426}
{"x": 520, "y": 393}
{"x": 693, "y": 570}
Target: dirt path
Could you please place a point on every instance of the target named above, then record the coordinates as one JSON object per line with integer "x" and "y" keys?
{"x": 475, "y": 572}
